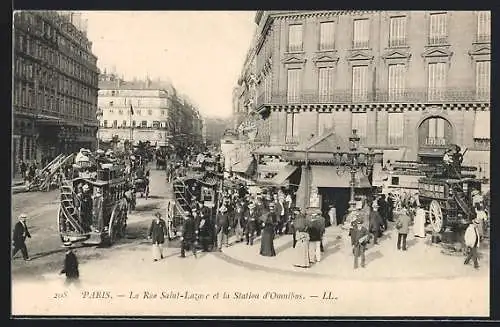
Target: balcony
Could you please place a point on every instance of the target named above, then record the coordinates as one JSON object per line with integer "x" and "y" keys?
{"x": 483, "y": 38}
{"x": 360, "y": 44}
{"x": 396, "y": 43}
{"x": 437, "y": 40}
{"x": 424, "y": 95}
{"x": 435, "y": 142}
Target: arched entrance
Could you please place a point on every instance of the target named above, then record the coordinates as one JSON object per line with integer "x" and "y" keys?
{"x": 435, "y": 134}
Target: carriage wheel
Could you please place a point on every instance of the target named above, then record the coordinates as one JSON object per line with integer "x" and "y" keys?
{"x": 60, "y": 224}
{"x": 147, "y": 191}
{"x": 113, "y": 227}
{"x": 436, "y": 216}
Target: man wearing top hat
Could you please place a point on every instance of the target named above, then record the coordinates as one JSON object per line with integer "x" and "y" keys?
{"x": 223, "y": 227}
{"x": 251, "y": 219}
{"x": 157, "y": 233}
{"x": 188, "y": 238}
{"x": 359, "y": 239}
{"x": 19, "y": 237}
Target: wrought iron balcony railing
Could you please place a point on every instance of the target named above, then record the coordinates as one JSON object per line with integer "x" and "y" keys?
{"x": 437, "y": 40}
{"x": 291, "y": 139}
{"x": 360, "y": 44}
{"x": 435, "y": 142}
{"x": 378, "y": 96}
{"x": 483, "y": 38}
{"x": 397, "y": 42}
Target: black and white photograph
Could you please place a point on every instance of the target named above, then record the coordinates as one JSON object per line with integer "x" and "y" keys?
{"x": 270, "y": 163}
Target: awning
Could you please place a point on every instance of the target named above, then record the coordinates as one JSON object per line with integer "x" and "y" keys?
{"x": 241, "y": 166}
{"x": 326, "y": 176}
{"x": 283, "y": 175}
{"x": 379, "y": 175}
{"x": 482, "y": 125}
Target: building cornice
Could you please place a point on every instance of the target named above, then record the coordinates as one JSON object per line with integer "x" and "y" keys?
{"x": 364, "y": 107}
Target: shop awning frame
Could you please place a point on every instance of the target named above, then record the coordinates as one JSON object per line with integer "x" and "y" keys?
{"x": 326, "y": 176}
{"x": 283, "y": 175}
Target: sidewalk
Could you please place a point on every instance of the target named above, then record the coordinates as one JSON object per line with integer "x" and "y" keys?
{"x": 422, "y": 259}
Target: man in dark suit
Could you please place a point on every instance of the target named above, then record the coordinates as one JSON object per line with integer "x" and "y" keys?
{"x": 359, "y": 239}
{"x": 189, "y": 231}
{"x": 157, "y": 233}
{"x": 19, "y": 237}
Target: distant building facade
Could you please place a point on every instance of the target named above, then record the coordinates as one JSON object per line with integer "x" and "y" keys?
{"x": 55, "y": 85}
{"x": 416, "y": 81}
{"x": 145, "y": 110}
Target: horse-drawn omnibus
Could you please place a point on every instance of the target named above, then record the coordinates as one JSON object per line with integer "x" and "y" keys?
{"x": 93, "y": 208}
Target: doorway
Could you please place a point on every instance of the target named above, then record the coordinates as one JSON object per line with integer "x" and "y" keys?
{"x": 338, "y": 196}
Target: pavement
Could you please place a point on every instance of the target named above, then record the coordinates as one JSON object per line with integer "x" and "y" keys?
{"x": 124, "y": 280}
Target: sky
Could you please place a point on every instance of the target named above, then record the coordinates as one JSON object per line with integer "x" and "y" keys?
{"x": 201, "y": 52}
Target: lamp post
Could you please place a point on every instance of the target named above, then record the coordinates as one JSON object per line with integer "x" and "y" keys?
{"x": 354, "y": 160}
{"x": 98, "y": 115}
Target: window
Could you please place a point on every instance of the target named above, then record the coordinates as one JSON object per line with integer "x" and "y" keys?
{"x": 137, "y": 112}
{"x": 144, "y": 124}
{"x": 361, "y": 35}
{"x": 156, "y": 124}
{"x": 292, "y": 129}
{"x": 120, "y": 112}
{"x": 105, "y": 123}
{"x": 293, "y": 85}
{"x": 438, "y": 29}
{"x": 112, "y": 93}
{"x": 163, "y": 112}
{"x": 436, "y": 135}
{"x": 124, "y": 123}
{"x": 325, "y": 122}
{"x": 437, "y": 81}
{"x": 326, "y": 35}
{"x": 396, "y": 82}
{"x": 395, "y": 128}
{"x": 359, "y": 122}
{"x": 359, "y": 83}
{"x": 134, "y": 123}
{"x": 397, "y": 31}
{"x": 325, "y": 84}
{"x": 115, "y": 123}
{"x": 483, "y": 80}
{"x": 295, "y": 38}
{"x": 483, "y": 26}
{"x": 150, "y": 112}
{"x": 110, "y": 103}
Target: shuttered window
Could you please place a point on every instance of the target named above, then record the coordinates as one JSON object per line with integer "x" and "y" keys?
{"x": 395, "y": 128}
{"x": 326, "y": 36}
{"x": 397, "y": 31}
{"x": 438, "y": 29}
{"x": 360, "y": 83}
{"x": 396, "y": 82}
{"x": 483, "y": 80}
{"x": 325, "y": 84}
{"x": 359, "y": 123}
{"x": 361, "y": 33}
{"x": 293, "y": 85}
{"x": 325, "y": 122}
{"x": 483, "y": 26}
{"x": 437, "y": 81}
{"x": 295, "y": 37}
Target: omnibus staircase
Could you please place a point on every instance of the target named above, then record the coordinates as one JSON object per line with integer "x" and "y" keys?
{"x": 182, "y": 204}
{"x": 71, "y": 227}
{"x": 44, "y": 178}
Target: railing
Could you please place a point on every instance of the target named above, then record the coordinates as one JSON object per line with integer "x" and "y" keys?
{"x": 399, "y": 42}
{"x": 435, "y": 142}
{"x": 437, "y": 40}
{"x": 360, "y": 44}
{"x": 483, "y": 38}
{"x": 378, "y": 96}
{"x": 291, "y": 139}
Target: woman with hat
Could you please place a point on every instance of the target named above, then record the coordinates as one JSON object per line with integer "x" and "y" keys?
{"x": 267, "y": 242}
{"x": 157, "y": 233}
{"x": 300, "y": 225}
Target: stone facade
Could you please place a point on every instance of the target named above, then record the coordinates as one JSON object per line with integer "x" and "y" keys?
{"x": 55, "y": 85}
{"x": 458, "y": 107}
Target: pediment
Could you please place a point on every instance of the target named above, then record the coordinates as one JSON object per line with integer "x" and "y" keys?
{"x": 326, "y": 58}
{"x": 360, "y": 56}
{"x": 437, "y": 52}
{"x": 294, "y": 60}
{"x": 482, "y": 49}
{"x": 397, "y": 54}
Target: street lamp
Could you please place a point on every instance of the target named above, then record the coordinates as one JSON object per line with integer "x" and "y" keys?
{"x": 98, "y": 115}
{"x": 353, "y": 161}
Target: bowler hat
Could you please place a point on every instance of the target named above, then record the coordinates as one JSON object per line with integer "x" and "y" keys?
{"x": 158, "y": 214}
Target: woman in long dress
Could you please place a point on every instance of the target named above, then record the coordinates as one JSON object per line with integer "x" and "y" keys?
{"x": 302, "y": 237}
{"x": 267, "y": 240}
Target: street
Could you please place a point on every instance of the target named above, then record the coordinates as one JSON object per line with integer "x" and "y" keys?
{"x": 123, "y": 279}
